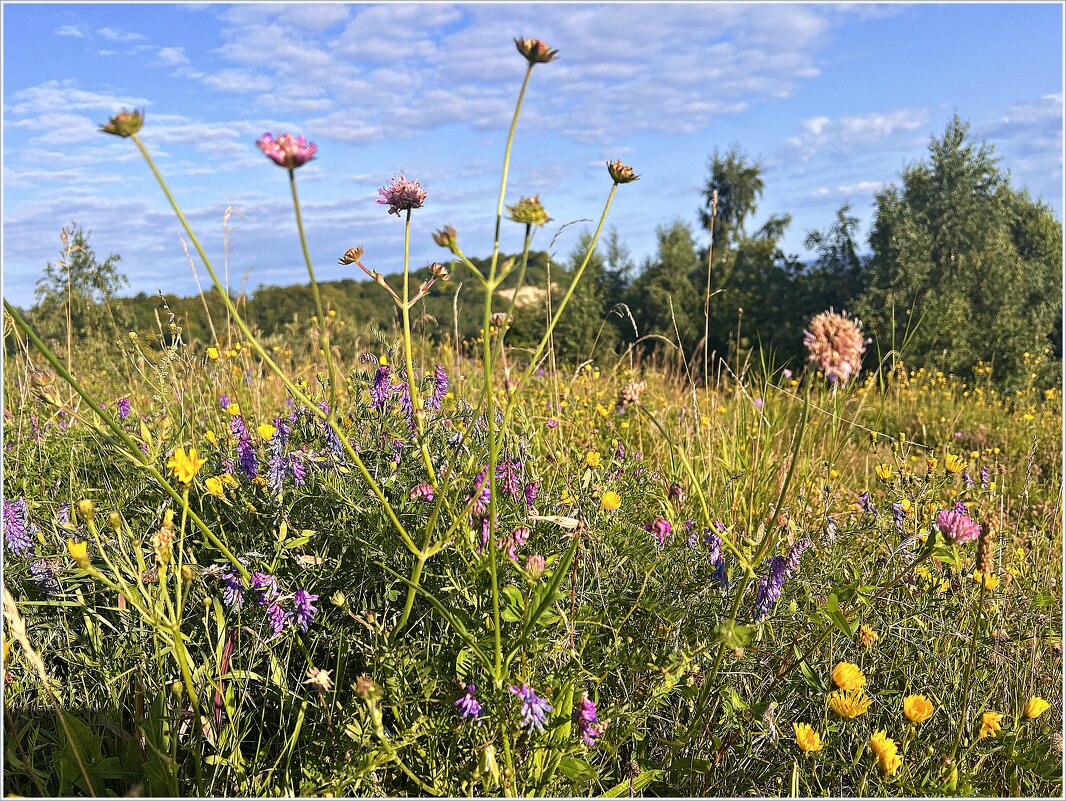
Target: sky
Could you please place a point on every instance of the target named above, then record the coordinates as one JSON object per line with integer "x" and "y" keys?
{"x": 833, "y": 100}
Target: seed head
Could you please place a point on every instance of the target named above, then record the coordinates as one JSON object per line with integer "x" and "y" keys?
{"x": 446, "y": 237}
{"x": 351, "y": 256}
{"x": 438, "y": 270}
{"x": 985, "y": 550}
{"x": 125, "y": 123}
{"x": 621, "y": 173}
{"x": 528, "y": 211}
{"x": 834, "y": 343}
{"x": 535, "y": 51}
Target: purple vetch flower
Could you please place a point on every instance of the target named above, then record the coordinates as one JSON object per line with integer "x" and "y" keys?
{"x": 676, "y": 493}
{"x": 532, "y": 489}
{"x": 620, "y": 452}
{"x": 123, "y": 408}
{"x": 266, "y": 585}
{"x": 403, "y": 391}
{"x": 967, "y": 479}
{"x": 660, "y": 528}
{"x": 304, "y": 611}
{"x": 516, "y": 539}
{"x": 297, "y": 468}
{"x": 381, "y": 389}
{"x": 713, "y": 543}
{"x": 486, "y": 524}
{"x": 960, "y": 507}
{"x": 468, "y": 706}
{"x": 899, "y": 514}
{"x": 278, "y": 463}
{"x": 276, "y": 615}
{"x": 552, "y": 423}
{"x": 440, "y": 387}
{"x": 587, "y": 722}
{"x": 232, "y": 588}
{"x": 957, "y": 527}
{"x": 402, "y": 195}
{"x": 18, "y": 529}
{"x": 223, "y": 401}
{"x": 507, "y": 474}
{"x": 44, "y": 573}
{"x": 287, "y": 151}
{"x": 772, "y": 584}
{"x": 867, "y": 504}
{"x": 422, "y": 492}
{"x": 534, "y": 709}
{"x": 986, "y": 477}
{"x": 482, "y": 491}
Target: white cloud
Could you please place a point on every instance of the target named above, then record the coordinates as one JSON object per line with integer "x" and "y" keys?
{"x": 823, "y": 134}
{"x": 864, "y": 188}
{"x": 119, "y": 36}
{"x": 69, "y": 30}
{"x": 172, "y": 56}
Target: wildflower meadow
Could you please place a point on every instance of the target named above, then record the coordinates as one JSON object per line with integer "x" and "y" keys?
{"x": 335, "y": 562}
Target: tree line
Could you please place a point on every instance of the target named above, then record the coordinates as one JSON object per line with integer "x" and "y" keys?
{"x": 959, "y": 267}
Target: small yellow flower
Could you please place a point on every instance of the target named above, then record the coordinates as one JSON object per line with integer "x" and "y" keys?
{"x": 991, "y": 580}
{"x": 931, "y": 463}
{"x": 212, "y": 354}
{"x": 867, "y": 636}
{"x": 954, "y": 464}
{"x": 849, "y": 703}
{"x": 210, "y": 437}
{"x": 884, "y": 471}
{"x": 847, "y": 676}
{"x": 266, "y": 431}
{"x": 807, "y": 738}
{"x": 885, "y": 748}
{"x": 229, "y": 480}
{"x": 592, "y": 459}
{"x": 1035, "y": 707}
{"x": 185, "y": 466}
{"x": 918, "y": 708}
{"x": 215, "y": 487}
{"x": 79, "y": 551}
{"x": 234, "y": 408}
{"x": 989, "y": 724}
{"x": 611, "y": 501}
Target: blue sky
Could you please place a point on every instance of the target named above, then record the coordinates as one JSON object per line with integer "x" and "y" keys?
{"x": 834, "y": 100}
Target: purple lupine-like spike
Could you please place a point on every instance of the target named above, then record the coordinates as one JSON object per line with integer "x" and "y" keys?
{"x": 422, "y": 492}
{"x": 232, "y": 588}
{"x": 304, "y": 611}
{"x": 440, "y": 388}
{"x": 123, "y": 408}
{"x": 381, "y": 389}
{"x": 588, "y": 723}
{"x": 967, "y": 479}
{"x": 532, "y": 489}
{"x": 18, "y": 529}
{"x": 297, "y": 468}
{"x": 44, "y": 574}
{"x": 483, "y": 492}
{"x": 899, "y": 514}
{"x": 276, "y": 615}
{"x": 986, "y": 477}
{"x": 468, "y": 705}
{"x": 867, "y": 504}
{"x": 534, "y": 708}
{"x": 507, "y": 473}
{"x": 267, "y": 586}
{"x": 771, "y": 585}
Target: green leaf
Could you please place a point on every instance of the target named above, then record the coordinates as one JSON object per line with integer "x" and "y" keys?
{"x": 638, "y": 784}
{"x": 578, "y": 769}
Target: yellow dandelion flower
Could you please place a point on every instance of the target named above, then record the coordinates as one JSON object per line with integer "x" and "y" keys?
{"x": 918, "y": 708}
{"x": 185, "y": 466}
{"x": 611, "y": 501}
{"x": 234, "y": 408}
{"x": 229, "y": 480}
{"x": 954, "y": 464}
{"x": 1035, "y": 707}
{"x": 210, "y": 437}
{"x": 850, "y": 703}
{"x": 991, "y": 580}
{"x": 989, "y": 724}
{"x": 884, "y": 747}
{"x": 592, "y": 459}
{"x": 867, "y": 636}
{"x": 212, "y": 354}
{"x": 848, "y": 676}
{"x": 884, "y": 471}
{"x": 807, "y": 738}
{"x": 215, "y": 487}
{"x": 266, "y": 431}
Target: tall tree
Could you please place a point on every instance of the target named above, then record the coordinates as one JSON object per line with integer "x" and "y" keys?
{"x": 739, "y": 183}
{"x": 836, "y": 278}
{"x": 973, "y": 265}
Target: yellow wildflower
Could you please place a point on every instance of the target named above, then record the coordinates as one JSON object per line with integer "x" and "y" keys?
{"x": 210, "y": 437}
{"x": 229, "y": 480}
{"x": 266, "y": 431}
{"x": 1035, "y": 707}
{"x": 592, "y": 459}
{"x": 807, "y": 738}
{"x": 184, "y": 466}
{"x": 867, "y": 636}
{"x": 954, "y": 464}
{"x": 884, "y": 471}
{"x": 234, "y": 408}
{"x": 611, "y": 500}
{"x": 989, "y": 724}
{"x": 885, "y": 748}
{"x": 991, "y": 580}
{"x": 847, "y": 676}
{"x": 79, "y": 551}
{"x": 931, "y": 463}
{"x": 849, "y": 703}
{"x": 212, "y": 354}
{"x": 214, "y": 486}
{"x": 918, "y": 708}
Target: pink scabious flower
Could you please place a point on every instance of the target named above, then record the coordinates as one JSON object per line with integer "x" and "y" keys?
{"x": 957, "y": 527}
{"x": 287, "y": 150}
{"x": 402, "y": 195}
{"x": 834, "y": 343}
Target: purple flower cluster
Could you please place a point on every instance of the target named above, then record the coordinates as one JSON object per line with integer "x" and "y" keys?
{"x": 534, "y": 709}
{"x": 516, "y": 539}
{"x": 402, "y": 195}
{"x": 468, "y": 706}
{"x": 986, "y": 477}
{"x": 247, "y": 459}
{"x": 867, "y": 504}
{"x": 532, "y": 489}
{"x": 660, "y": 528}
{"x": 899, "y": 514}
{"x": 422, "y": 492}
{"x": 278, "y": 462}
{"x": 123, "y": 408}
{"x": 440, "y": 388}
{"x": 713, "y": 543}
{"x": 587, "y": 722}
{"x": 957, "y": 526}
{"x": 381, "y": 388}
{"x": 333, "y": 441}
{"x": 771, "y": 585}
{"x": 232, "y": 588}
{"x": 304, "y": 609}
{"x": 287, "y": 150}
{"x": 18, "y": 529}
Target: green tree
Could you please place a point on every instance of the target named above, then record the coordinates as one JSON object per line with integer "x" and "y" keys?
{"x": 739, "y": 183}
{"x": 971, "y": 264}
{"x": 836, "y": 278}
{"x": 74, "y": 293}
{"x": 663, "y": 294}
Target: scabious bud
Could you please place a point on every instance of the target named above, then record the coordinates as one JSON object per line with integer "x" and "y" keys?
{"x": 621, "y": 173}
{"x": 86, "y": 509}
{"x": 351, "y": 256}
{"x": 125, "y": 123}
{"x": 446, "y": 237}
{"x": 535, "y": 51}
{"x": 287, "y": 150}
{"x": 528, "y": 211}
{"x": 438, "y": 270}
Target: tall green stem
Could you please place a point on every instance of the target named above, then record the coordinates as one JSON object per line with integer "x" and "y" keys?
{"x": 969, "y": 668}
{"x": 323, "y": 338}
